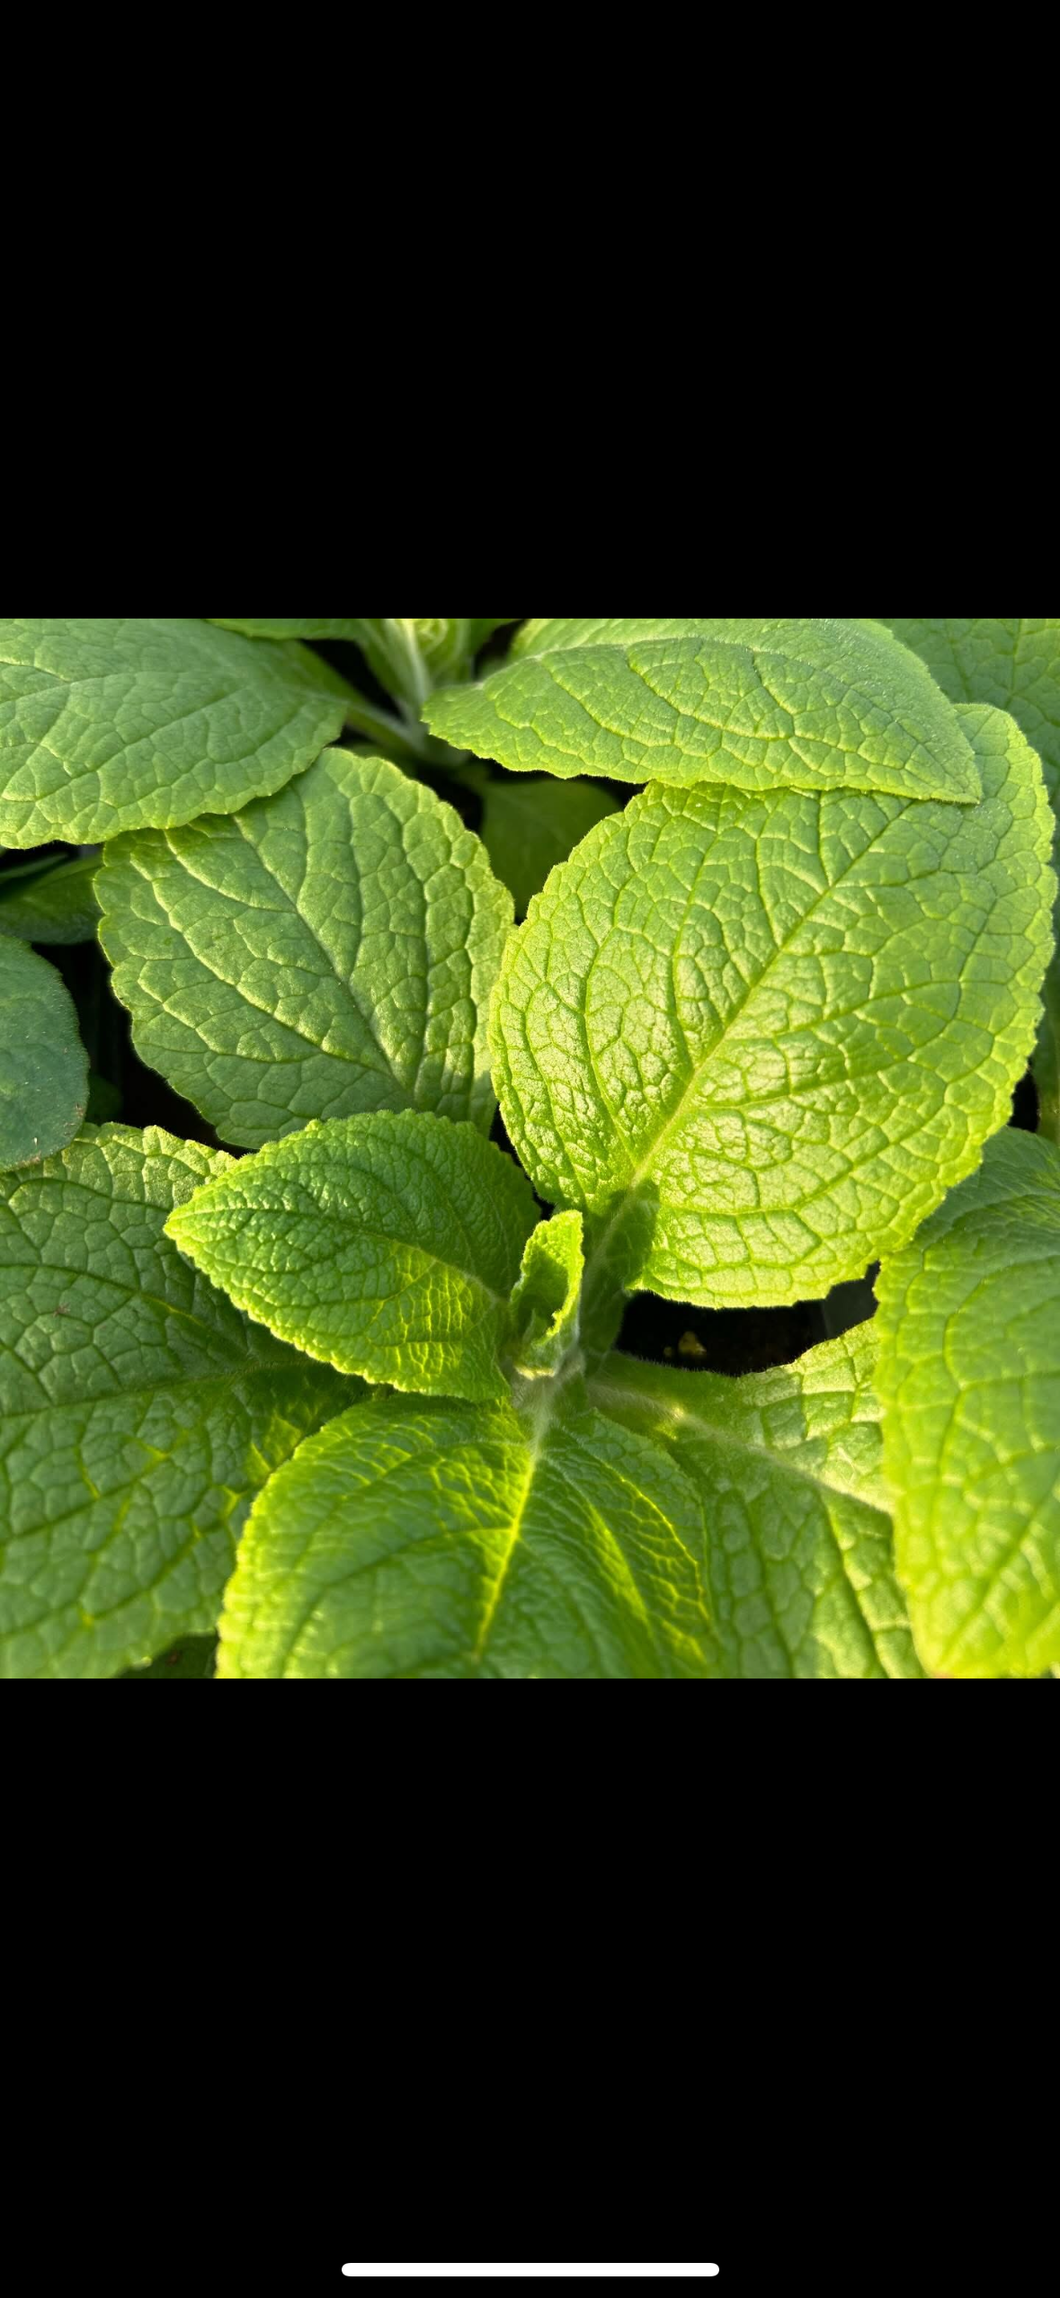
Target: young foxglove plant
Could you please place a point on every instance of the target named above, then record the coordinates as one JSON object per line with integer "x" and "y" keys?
{"x": 349, "y": 1390}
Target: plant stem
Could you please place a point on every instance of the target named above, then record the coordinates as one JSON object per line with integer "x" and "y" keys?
{"x": 383, "y": 726}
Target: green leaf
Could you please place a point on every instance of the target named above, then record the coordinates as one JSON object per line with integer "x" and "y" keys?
{"x": 50, "y": 901}
{"x": 381, "y": 726}
{"x": 1016, "y": 664}
{"x": 758, "y": 1038}
{"x": 969, "y": 1376}
{"x": 110, "y": 725}
{"x": 292, "y": 627}
{"x": 330, "y": 950}
{"x": 387, "y": 1245}
{"x": 1013, "y": 664}
{"x": 788, "y": 1465}
{"x": 811, "y": 704}
{"x": 527, "y": 827}
{"x": 139, "y": 1412}
{"x": 547, "y": 1299}
{"x": 43, "y": 1064}
{"x": 437, "y": 1540}
{"x": 383, "y": 729}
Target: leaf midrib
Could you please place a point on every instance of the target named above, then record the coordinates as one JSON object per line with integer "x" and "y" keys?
{"x": 763, "y": 1455}
{"x": 643, "y": 1171}
{"x": 609, "y": 1393}
{"x": 549, "y": 1424}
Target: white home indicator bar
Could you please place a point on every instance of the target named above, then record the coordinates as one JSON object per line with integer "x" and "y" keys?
{"x": 648, "y": 2273}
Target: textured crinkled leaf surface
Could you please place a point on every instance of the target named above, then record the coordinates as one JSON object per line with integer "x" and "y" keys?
{"x": 330, "y": 950}
{"x": 435, "y": 1540}
{"x": 119, "y": 724}
{"x": 969, "y": 1375}
{"x": 50, "y": 901}
{"x": 387, "y": 1245}
{"x": 547, "y": 1299}
{"x": 1015, "y": 663}
{"x": 139, "y": 1412}
{"x": 758, "y": 1038}
{"x": 43, "y": 1064}
{"x": 527, "y": 827}
{"x": 810, "y": 704}
{"x": 799, "y": 1544}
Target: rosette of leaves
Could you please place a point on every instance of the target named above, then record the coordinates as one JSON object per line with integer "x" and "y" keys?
{"x": 755, "y": 1028}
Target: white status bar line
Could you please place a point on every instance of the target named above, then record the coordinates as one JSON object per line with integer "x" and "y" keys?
{"x": 646, "y": 2272}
